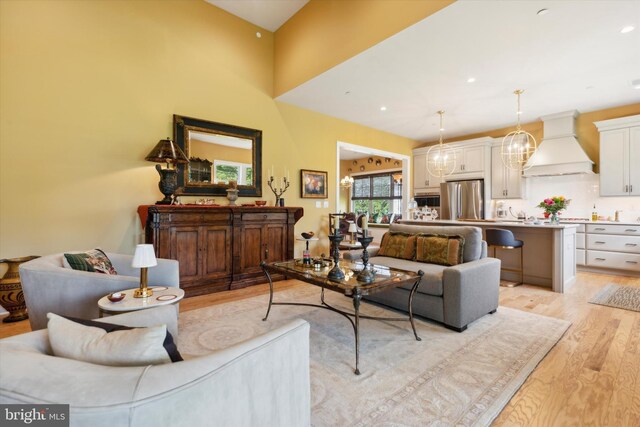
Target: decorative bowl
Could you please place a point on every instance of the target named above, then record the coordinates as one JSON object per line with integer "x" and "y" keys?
{"x": 116, "y": 296}
{"x": 308, "y": 235}
{"x": 261, "y": 202}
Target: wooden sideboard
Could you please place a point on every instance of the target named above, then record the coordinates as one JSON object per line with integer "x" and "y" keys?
{"x": 221, "y": 248}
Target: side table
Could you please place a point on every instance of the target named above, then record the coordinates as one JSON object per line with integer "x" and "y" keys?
{"x": 162, "y": 295}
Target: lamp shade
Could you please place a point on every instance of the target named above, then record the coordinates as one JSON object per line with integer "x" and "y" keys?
{"x": 144, "y": 257}
{"x": 166, "y": 151}
{"x": 353, "y": 228}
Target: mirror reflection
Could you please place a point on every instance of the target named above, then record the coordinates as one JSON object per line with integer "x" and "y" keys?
{"x": 218, "y": 153}
{"x": 218, "y": 159}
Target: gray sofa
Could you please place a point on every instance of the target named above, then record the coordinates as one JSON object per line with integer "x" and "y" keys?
{"x": 50, "y": 287}
{"x": 263, "y": 381}
{"x": 454, "y": 296}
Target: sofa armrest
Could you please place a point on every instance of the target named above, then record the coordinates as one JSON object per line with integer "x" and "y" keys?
{"x": 357, "y": 255}
{"x": 470, "y": 290}
{"x": 163, "y": 315}
{"x": 67, "y": 292}
{"x": 166, "y": 273}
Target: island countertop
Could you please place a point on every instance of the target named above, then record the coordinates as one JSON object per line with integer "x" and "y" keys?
{"x": 549, "y": 257}
{"x": 491, "y": 223}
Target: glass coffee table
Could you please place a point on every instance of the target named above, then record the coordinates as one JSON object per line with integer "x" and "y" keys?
{"x": 385, "y": 278}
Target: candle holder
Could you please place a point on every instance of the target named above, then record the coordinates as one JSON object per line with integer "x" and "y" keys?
{"x": 336, "y": 274}
{"x": 278, "y": 191}
{"x": 366, "y": 275}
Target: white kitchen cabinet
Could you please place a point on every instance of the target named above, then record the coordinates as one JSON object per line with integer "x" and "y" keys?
{"x": 619, "y": 156}
{"x": 468, "y": 159}
{"x": 423, "y": 181}
{"x": 609, "y": 246}
{"x": 506, "y": 183}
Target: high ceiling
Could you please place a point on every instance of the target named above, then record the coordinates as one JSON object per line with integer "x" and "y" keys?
{"x": 268, "y": 14}
{"x": 572, "y": 57}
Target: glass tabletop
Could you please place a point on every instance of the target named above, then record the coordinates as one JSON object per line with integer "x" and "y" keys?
{"x": 384, "y": 276}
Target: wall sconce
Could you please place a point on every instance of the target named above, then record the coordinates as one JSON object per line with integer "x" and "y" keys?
{"x": 166, "y": 151}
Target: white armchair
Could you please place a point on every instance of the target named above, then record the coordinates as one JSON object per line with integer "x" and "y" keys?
{"x": 263, "y": 381}
{"x": 50, "y": 287}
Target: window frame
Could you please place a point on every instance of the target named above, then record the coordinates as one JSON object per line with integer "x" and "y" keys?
{"x": 394, "y": 194}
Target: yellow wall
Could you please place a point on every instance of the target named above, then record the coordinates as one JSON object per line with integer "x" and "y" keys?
{"x": 586, "y": 131}
{"x": 88, "y": 88}
{"x": 325, "y": 33}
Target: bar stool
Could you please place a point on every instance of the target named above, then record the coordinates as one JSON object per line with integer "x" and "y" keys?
{"x": 501, "y": 238}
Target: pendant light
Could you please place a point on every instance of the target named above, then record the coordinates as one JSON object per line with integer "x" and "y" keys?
{"x": 519, "y": 145}
{"x": 440, "y": 161}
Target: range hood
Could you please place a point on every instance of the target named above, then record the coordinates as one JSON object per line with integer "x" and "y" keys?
{"x": 559, "y": 153}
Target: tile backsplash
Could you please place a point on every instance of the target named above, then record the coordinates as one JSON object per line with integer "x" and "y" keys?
{"x": 583, "y": 190}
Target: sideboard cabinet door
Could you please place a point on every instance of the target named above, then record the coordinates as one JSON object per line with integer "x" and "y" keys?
{"x": 221, "y": 248}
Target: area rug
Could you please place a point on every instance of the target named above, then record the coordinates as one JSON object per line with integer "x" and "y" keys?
{"x": 448, "y": 378}
{"x": 625, "y": 297}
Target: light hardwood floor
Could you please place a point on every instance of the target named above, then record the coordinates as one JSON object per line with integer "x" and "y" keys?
{"x": 590, "y": 378}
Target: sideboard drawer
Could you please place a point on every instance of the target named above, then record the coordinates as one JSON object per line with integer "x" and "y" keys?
{"x": 630, "y": 230}
{"x": 580, "y": 241}
{"x": 604, "y": 242}
{"x": 580, "y": 256}
{"x": 191, "y": 217}
{"x": 613, "y": 260}
{"x": 264, "y": 216}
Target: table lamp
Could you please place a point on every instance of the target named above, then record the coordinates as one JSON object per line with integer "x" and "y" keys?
{"x": 353, "y": 229}
{"x": 143, "y": 258}
{"x": 166, "y": 151}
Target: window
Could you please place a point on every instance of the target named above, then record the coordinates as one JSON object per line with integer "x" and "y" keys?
{"x": 379, "y": 195}
{"x": 225, "y": 171}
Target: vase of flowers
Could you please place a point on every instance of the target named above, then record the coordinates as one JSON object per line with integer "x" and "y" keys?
{"x": 552, "y": 207}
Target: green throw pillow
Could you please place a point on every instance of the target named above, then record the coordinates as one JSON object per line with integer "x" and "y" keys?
{"x": 94, "y": 261}
{"x": 439, "y": 249}
{"x": 398, "y": 245}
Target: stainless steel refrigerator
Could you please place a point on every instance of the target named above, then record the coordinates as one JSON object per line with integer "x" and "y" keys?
{"x": 462, "y": 199}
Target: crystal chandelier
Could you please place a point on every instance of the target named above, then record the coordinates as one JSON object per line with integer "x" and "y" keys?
{"x": 519, "y": 145}
{"x": 440, "y": 162}
{"x": 346, "y": 182}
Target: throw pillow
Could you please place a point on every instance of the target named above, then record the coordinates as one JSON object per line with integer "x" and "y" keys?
{"x": 109, "y": 344}
{"x": 439, "y": 249}
{"x": 94, "y": 260}
{"x": 398, "y": 245}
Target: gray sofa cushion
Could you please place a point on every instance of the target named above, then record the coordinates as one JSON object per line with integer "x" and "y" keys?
{"x": 431, "y": 283}
{"x": 472, "y": 236}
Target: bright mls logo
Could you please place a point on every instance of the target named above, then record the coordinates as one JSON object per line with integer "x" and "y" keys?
{"x": 34, "y": 415}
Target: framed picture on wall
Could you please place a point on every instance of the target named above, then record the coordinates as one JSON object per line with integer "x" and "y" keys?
{"x": 313, "y": 184}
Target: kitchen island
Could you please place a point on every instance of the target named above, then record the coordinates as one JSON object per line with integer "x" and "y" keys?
{"x": 549, "y": 251}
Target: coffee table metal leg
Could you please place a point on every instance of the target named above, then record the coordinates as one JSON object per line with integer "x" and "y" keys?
{"x": 411, "y": 294}
{"x": 357, "y": 296}
{"x": 270, "y": 290}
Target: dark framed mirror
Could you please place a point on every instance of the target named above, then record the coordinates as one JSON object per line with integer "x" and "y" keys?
{"x": 218, "y": 153}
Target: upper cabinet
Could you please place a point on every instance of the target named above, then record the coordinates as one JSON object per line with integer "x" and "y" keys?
{"x": 469, "y": 160}
{"x": 423, "y": 182}
{"x": 619, "y": 156}
{"x": 472, "y": 161}
{"x": 506, "y": 183}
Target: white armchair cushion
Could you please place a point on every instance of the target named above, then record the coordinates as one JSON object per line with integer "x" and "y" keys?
{"x": 110, "y": 345}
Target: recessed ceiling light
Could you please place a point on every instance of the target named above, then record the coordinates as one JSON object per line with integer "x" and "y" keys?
{"x": 383, "y": 108}
{"x": 627, "y": 29}
{"x": 542, "y": 12}
{"x": 471, "y": 79}
{"x": 258, "y": 34}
